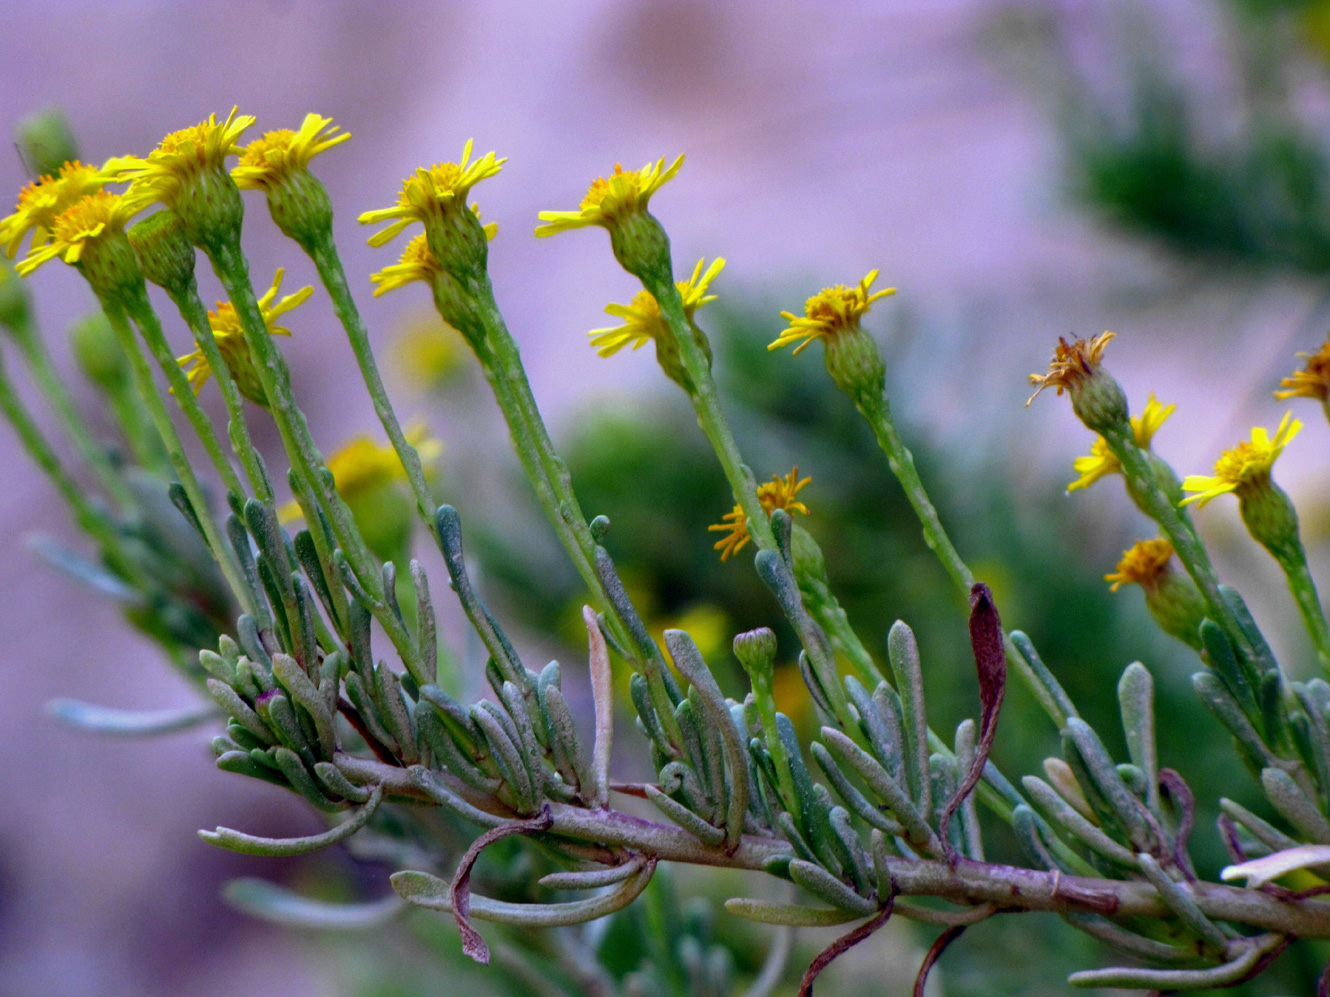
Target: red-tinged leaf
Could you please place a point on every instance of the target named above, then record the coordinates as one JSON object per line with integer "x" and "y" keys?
{"x": 990, "y": 659}
{"x": 459, "y": 894}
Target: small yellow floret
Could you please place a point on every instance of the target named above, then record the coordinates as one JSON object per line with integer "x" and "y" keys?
{"x": 1072, "y": 362}
{"x": 1247, "y": 463}
{"x": 1102, "y": 462}
{"x": 42, "y": 200}
{"x": 274, "y": 156}
{"x": 611, "y": 198}
{"x": 1313, "y": 381}
{"x": 829, "y": 312}
{"x": 642, "y": 321}
{"x": 778, "y": 493}
{"x": 230, "y": 337}
{"x": 186, "y": 154}
{"x": 86, "y": 220}
{"x": 1143, "y": 564}
{"x": 429, "y": 190}
{"x": 360, "y": 465}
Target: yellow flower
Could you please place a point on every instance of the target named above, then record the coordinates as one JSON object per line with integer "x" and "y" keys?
{"x": 428, "y": 351}
{"x": 360, "y": 465}
{"x": 1313, "y": 381}
{"x": 611, "y": 198}
{"x": 230, "y": 338}
{"x": 642, "y": 321}
{"x": 417, "y": 262}
{"x": 778, "y": 493}
{"x": 1244, "y": 465}
{"x": 81, "y": 225}
{"x": 1102, "y": 462}
{"x": 186, "y": 154}
{"x": 1072, "y": 363}
{"x": 42, "y": 200}
{"x": 432, "y": 190}
{"x": 270, "y": 159}
{"x": 829, "y": 312}
{"x": 1143, "y": 564}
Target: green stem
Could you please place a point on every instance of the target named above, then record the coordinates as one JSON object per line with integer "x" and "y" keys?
{"x": 706, "y": 403}
{"x": 195, "y": 314}
{"x": 89, "y": 519}
{"x": 878, "y": 415}
{"x": 1302, "y": 586}
{"x": 329, "y": 264}
{"x": 142, "y": 373}
{"x": 144, "y": 443}
{"x": 52, "y": 388}
{"x": 150, "y": 328}
{"x": 232, "y": 270}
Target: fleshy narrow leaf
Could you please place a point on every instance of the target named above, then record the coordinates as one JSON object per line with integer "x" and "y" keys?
{"x": 269, "y": 902}
{"x": 129, "y": 723}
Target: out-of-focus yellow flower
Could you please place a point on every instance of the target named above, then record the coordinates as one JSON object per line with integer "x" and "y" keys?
{"x": 42, "y": 200}
{"x": 1072, "y": 363}
{"x": 1247, "y": 464}
{"x": 705, "y": 622}
{"x": 184, "y": 155}
{"x": 778, "y": 493}
{"x": 428, "y": 351}
{"x": 642, "y": 320}
{"x": 829, "y": 312}
{"x": 428, "y": 192}
{"x": 612, "y": 198}
{"x": 361, "y": 466}
{"x": 1102, "y": 462}
{"x": 1313, "y": 381}
{"x": 82, "y": 225}
{"x": 274, "y": 156}
{"x": 230, "y": 338}
{"x": 1143, "y": 564}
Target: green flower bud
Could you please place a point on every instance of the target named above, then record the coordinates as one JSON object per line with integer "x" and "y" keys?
{"x": 164, "y": 251}
{"x": 46, "y": 141}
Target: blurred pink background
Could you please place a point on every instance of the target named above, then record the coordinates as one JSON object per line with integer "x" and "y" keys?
{"x": 823, "y": 140}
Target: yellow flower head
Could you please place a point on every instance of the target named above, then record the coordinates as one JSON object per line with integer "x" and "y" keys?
{"x": 611, "y": 198}
{"x": 1102, "y": 462}
{"x": 1143, "y": 564}
{"x": 1313, "y": 381}
{"x": 81, "y": 225}
{"x": 184, "y": 155}
{"x": 778, "y": 493}
{"x": 360, "y": 465}
{"x": 642, "y": 321}
{"x": 42, "y": 200}
{"x": 269, "y": 160}
{"x": 1246, "y": 464}
{"x": 417, "y": 262}
{"x": 1072, "y": 363}
{"x": 829, "y": 312}
{"x": 430, "y": 191}
{"x": 230, "y": 339}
